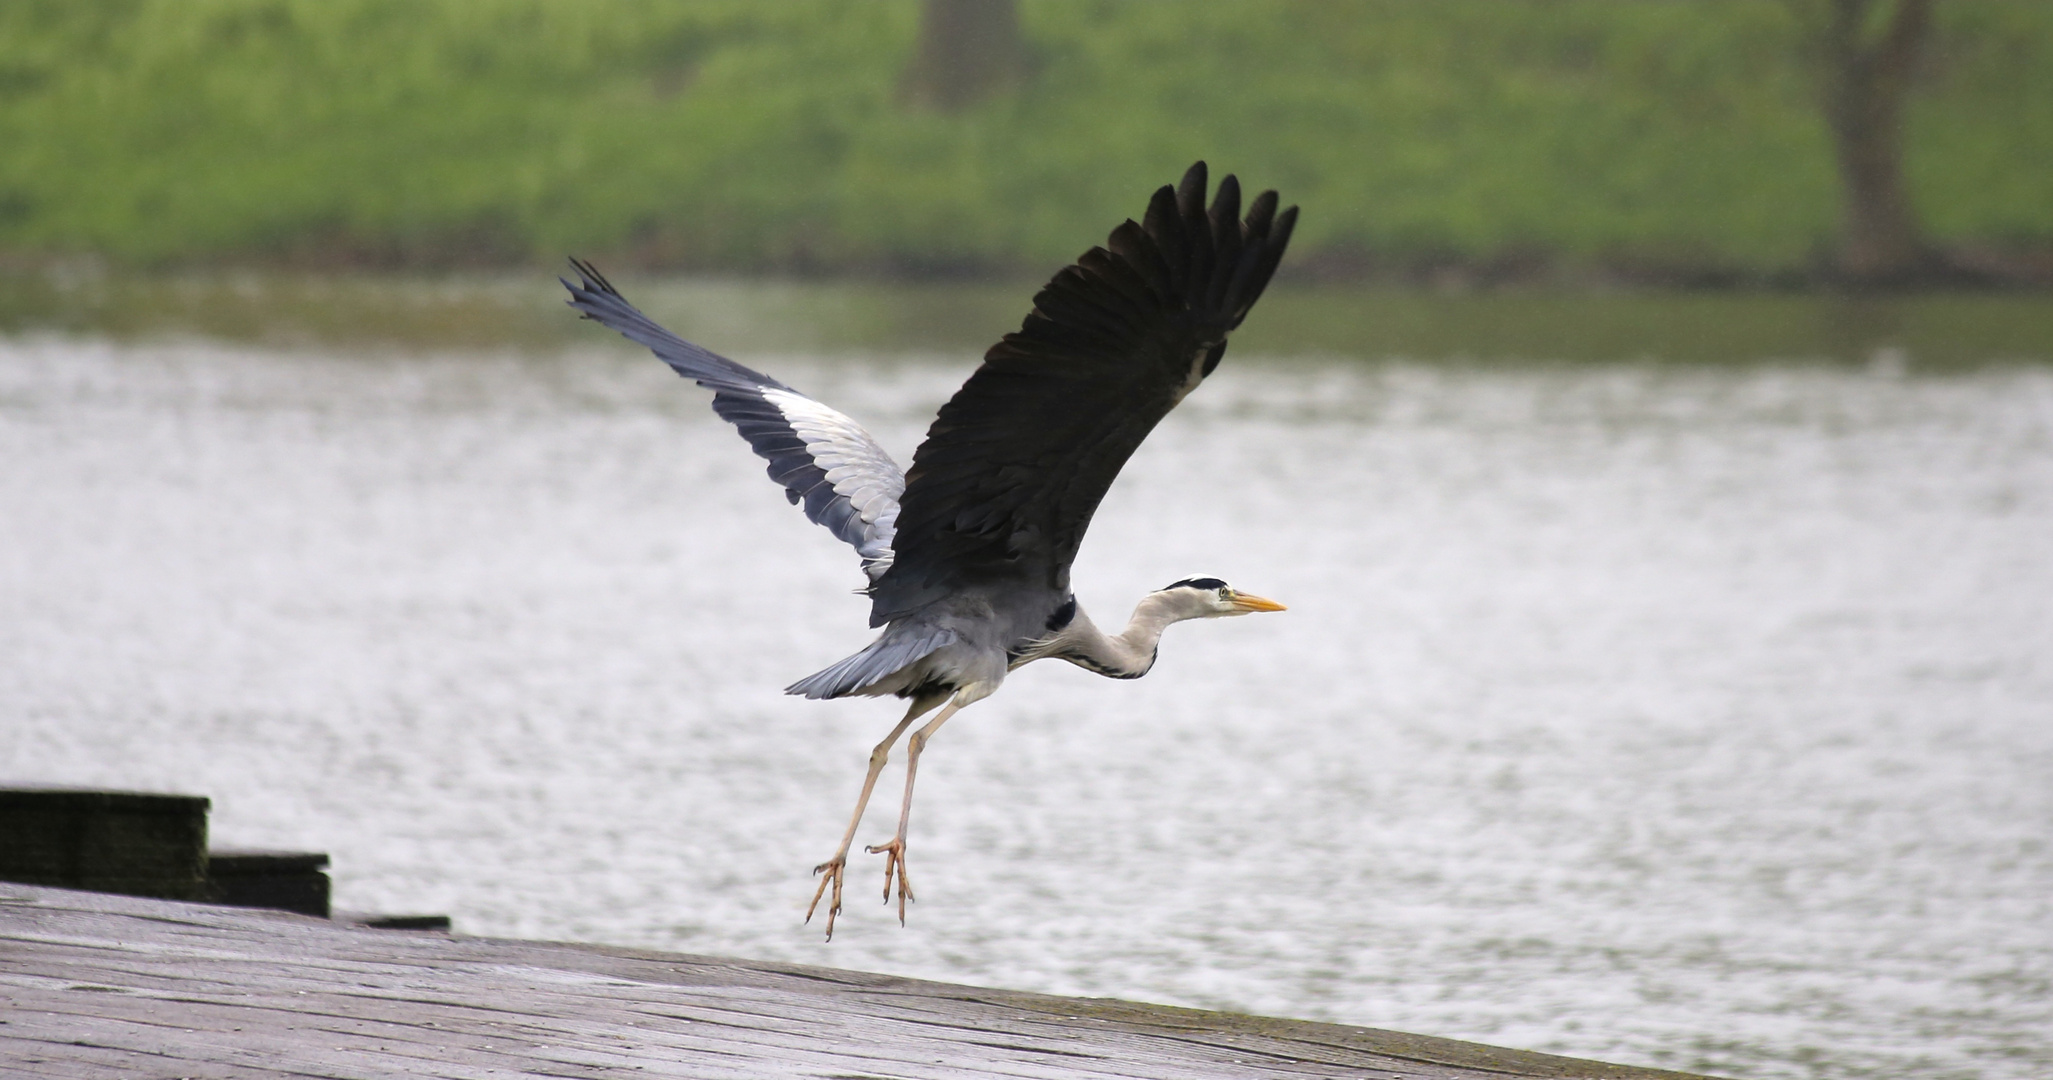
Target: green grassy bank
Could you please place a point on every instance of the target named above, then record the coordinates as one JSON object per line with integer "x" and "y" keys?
{"x": 521, "y": 312}
{"x": 771, "y": 137}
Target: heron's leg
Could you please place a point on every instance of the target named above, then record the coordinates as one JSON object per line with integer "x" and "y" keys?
{"x": 831, "y": 869}
{"x": 894, "y": 851}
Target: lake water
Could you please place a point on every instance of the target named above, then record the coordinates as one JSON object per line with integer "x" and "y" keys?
{"x": 1685, "y": 714}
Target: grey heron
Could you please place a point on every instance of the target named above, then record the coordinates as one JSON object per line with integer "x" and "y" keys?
{"x": 968, "y": 552}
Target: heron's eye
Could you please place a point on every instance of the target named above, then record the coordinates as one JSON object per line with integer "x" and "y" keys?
{"x": 1225, "y": 595}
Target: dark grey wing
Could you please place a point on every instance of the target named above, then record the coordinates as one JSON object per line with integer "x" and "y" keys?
{"x": 825, "y": 460}
{"x": 1017, "y": 462}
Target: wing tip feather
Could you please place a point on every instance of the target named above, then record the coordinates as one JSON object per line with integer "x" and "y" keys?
{"x": 1190, "y": 191}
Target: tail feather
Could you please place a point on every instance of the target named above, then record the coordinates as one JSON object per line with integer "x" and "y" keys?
{"x": 886, "y": 656}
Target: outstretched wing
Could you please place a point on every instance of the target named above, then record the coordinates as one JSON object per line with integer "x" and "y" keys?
{"x": 825, "y": 460}
{"x": 1017, "y": 462}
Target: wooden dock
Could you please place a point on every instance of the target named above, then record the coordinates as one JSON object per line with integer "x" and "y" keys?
{"x": 95, "y": 985}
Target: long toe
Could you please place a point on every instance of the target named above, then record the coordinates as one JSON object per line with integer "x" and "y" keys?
{"x": 830, "y": 874}
{"x": 894, "y": 872}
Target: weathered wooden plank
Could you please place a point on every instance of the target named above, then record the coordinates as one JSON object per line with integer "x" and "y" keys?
{"x": 101, "y": 986}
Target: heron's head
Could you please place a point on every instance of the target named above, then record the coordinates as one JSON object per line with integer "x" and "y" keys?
{"x": 1211, "y": 598}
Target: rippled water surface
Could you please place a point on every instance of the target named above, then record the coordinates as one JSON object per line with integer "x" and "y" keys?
{"x": 1690, "y": 716}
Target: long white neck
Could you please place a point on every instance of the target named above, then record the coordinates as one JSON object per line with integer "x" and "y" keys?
{"x": 1125, "y": 655}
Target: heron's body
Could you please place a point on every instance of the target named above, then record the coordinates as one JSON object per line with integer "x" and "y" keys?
{"x": 968, "y": 552}
{"x": 962, "y": 640}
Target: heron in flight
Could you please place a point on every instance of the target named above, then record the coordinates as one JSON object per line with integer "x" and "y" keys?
{"x": 968, "y": 552}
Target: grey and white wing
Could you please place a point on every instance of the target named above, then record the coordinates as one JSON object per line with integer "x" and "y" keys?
{"x": 822, "y": 458}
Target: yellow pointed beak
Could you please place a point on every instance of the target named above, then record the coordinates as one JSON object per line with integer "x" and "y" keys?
{"x": 1250, "y": 602}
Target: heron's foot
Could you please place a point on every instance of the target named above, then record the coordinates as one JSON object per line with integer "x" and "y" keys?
{"x": 894, "y": 866}
{"x": 829, "y": 873}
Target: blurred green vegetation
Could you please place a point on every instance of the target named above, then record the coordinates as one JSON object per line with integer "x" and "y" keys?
{"x": 523, "y": 312}
{"x": 1636, "y": 134}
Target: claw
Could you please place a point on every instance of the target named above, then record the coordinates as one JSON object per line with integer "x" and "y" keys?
{"x": 832, "y": 869}
{"x": 894, "y": 860}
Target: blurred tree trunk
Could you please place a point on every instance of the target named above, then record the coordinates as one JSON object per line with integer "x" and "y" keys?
{"x": 969, "y": 50}
{"x": 1866, "y": 52}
